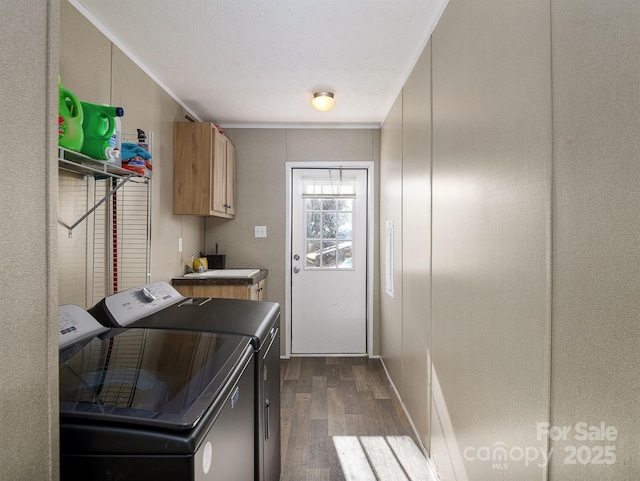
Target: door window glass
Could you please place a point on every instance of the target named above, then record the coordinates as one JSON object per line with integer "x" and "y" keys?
{"x": 329, "y": 233}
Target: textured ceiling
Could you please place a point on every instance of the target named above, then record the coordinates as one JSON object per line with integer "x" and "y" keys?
{"x": 257, "y": 62}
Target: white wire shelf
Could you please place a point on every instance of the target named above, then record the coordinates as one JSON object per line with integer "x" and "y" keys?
{"x": 78, "y": 163}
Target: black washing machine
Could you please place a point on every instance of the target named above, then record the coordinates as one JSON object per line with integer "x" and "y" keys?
{"x": 161, "y": 404}
{"x": 160, "y": 306}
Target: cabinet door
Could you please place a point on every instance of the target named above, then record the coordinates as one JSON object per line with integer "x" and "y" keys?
{"x": 231, "y": 178}
{"x": 219, "y": 178}
{"x": 192, "y": 185}
{"x": 259, "y": 291}
{"x": 254, "y": 292}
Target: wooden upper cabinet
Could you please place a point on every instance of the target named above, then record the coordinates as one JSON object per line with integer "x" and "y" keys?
{"x": 203, "y": 170}
{"x": 231, "y": 178}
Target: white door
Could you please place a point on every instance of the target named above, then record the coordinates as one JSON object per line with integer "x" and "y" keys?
{"x": 329, "y": 261}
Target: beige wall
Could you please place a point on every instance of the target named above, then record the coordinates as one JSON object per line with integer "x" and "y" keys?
{"x": 391, "y": 211}
{"x": 28, "y": 279}
{"x": 596, "y": 231}
{"x": 534, "y": 235}
{"x": 416, "y": 244}
{"x": 491, "y": 192}
{"x": 261, "y": 156}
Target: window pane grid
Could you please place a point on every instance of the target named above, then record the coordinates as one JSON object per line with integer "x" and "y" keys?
{"x": 329, "y": 233}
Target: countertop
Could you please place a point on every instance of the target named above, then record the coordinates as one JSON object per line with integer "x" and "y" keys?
{"x": 225, "y": 281}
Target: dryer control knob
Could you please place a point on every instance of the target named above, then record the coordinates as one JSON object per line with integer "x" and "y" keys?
{"x": 147, "y": 295}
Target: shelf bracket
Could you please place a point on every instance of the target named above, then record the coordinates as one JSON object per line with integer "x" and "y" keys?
{"x": 90, "y": 211}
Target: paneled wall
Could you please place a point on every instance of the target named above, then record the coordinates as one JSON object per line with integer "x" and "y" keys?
{"x": 595, "y": 372}
{"x": 261, "y": 157}
{"x": 97, "y": 71}
{"x": 416, "y": 244}
{"x": 491, "y": 193}
{"x": 534, "y": 308}
{"x": 391, "y": 324}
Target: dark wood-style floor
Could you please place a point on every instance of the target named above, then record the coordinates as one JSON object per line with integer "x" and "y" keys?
{"x": 326, "y": 397}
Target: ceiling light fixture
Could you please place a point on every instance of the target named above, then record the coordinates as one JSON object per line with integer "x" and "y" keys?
{"x": 323, "y": 101}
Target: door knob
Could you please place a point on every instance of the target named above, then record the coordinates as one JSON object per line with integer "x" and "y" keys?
{"x": 296, "y": 257}
{"x": 296, "y": 270}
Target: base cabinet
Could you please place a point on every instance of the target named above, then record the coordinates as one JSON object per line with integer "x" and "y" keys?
{"x": 254, "y": 292}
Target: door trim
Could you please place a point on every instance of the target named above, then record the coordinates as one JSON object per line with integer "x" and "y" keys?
{"x": 369, "y": 166}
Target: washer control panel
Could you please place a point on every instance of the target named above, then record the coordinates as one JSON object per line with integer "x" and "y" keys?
{"x": 75, "y": 325}
{"x": 133, "y": 304}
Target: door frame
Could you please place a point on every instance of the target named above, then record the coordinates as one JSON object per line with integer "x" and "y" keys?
{"x": 369, "y": 167}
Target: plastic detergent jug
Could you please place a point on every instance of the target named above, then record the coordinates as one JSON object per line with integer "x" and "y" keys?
{"x": 99, "y": 126}
{"x": 115, "y": 141}
{"x": 70, "y": 115}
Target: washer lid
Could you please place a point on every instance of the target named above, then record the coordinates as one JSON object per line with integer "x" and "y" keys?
{"x": 157, "y": 377}
{"x": 232, "y": 316}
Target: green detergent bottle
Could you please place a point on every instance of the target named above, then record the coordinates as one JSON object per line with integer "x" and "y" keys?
{"x": 70, "y": 115}
{"x": 99, "y": 125}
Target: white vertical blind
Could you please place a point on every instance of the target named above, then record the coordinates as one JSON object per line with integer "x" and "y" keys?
{"x": 336, "y": 186}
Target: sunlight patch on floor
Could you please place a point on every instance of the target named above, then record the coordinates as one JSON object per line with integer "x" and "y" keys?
{"x": 380, "y": 458}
